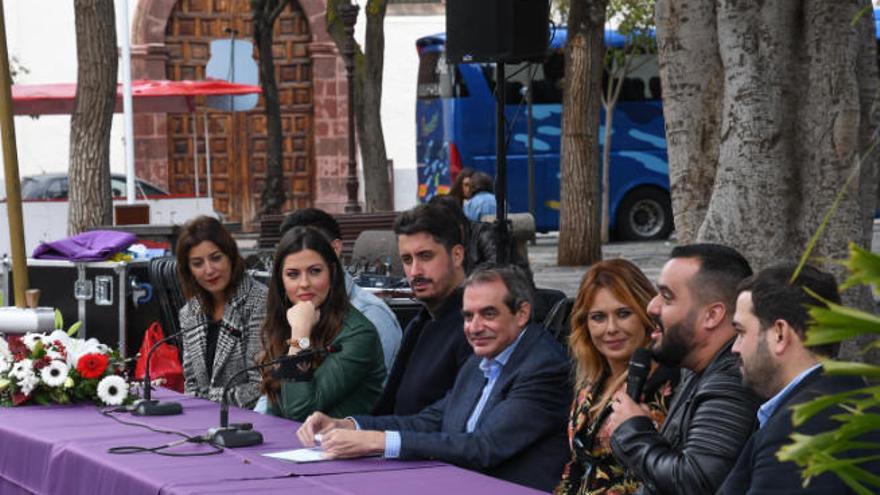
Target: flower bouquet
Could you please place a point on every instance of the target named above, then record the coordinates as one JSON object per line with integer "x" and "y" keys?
{"x": 60, "y": 369}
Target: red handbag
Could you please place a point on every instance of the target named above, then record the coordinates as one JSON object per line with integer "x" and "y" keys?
{"x": 165, "y": 362}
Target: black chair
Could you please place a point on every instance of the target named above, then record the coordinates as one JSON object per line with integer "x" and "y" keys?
{"x": 166, "y": 286}
{"x": 558, "y": 320}
{"x": 545, "y": 301}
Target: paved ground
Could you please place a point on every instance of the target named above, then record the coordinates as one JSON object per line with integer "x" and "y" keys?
{"x": 649, "y": 256}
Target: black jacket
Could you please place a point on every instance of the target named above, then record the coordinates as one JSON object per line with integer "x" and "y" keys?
{"x": 432, "y": 351}
{"x": 758, "y": 471}
{"x": 710, "y": 418}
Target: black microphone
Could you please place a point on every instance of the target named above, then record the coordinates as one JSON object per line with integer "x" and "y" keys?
{"x": 639, "y": 367}
{"x": 243, "y": 434}
{"x": 288, "y": 370}
{"x": 147, "y": 406}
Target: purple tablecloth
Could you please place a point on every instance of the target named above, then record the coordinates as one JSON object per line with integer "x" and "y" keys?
{"x": 63, "y": 449}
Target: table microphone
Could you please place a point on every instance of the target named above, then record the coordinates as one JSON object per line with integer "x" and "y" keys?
{"x": 639, "y": 367}
{"x": 243, "y": 435}
{"x": 147, "y": 406}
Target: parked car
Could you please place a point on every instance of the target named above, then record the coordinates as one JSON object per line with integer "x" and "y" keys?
{"x": 55, "y": 186}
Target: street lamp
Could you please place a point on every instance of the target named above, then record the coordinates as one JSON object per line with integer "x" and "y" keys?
{"x": 349, "y": 13}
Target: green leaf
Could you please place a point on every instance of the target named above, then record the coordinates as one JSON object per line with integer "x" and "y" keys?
{"x": 851, "y": 368}
{"x": 837, "y": 323}
{"x": 59, "y": 320}
{"x": 806, "y": 410}
{"x": 864, "y": 268}
{"x": 73, "y": 329}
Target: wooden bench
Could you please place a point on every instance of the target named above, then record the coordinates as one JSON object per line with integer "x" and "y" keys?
{"x": 350, "y": 225}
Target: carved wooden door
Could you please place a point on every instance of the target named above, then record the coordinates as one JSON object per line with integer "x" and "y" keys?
{"x": 238, "y": 139}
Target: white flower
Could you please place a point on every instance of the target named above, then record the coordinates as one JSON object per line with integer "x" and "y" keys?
{"x": 31, "y": 339}
{"x": 22, "y": 368}
{"x": 60, "y": 336}
{"x": 55, "y": 374}
{"x": 55, "y": 355}
{"x": 28, "y": 383}
{"x": 112, "y": 390}
{"x": 5, "y": 364}
{"x": 5, "y": 353}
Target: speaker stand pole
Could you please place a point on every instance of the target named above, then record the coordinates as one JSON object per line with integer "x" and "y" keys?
{"x": 503, "y": 246}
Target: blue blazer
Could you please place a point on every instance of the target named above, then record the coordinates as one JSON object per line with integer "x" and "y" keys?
{"x": 758, "y": 471}
{"x": 521, "y": 433}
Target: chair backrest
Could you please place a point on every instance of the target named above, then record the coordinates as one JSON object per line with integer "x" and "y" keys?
{"x": 558, "y": 320}
{"x": 163, "y": 277}
{"x": 378, "y": 247}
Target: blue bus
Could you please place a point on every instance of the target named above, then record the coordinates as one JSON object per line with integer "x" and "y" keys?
{"x": 455, "y": 126}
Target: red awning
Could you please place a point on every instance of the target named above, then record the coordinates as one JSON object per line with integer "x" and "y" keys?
{"x": 147, "y": 96}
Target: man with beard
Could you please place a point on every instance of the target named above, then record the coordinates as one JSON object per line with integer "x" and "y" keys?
{"x": 433, "y": 348}
{"x": 711, "y": 415}
{"x": 771, "y": 322}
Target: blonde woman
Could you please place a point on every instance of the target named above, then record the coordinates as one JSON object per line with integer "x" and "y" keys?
{"x": 609, "y": 322}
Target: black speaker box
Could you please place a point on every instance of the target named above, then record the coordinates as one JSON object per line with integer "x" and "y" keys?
{"x": 496, "y": 30}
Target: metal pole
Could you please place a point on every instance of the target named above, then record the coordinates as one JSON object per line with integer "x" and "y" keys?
{"x": 10, "y": 173}
{"x": 207, "y": 154}
{"x": 530, "y": 160}
{"x": 348, "y": 13}
{"x": 503, "y": 246}
{"x": 127, "y": 108}
{"x": 195, "y": 127}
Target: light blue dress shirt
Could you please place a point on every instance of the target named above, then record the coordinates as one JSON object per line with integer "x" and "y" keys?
{"x": 768, "y": 408}
{"x": 491, "y": 368}
{"x": 381, "y": 316}
{"x": 482, "y": 203}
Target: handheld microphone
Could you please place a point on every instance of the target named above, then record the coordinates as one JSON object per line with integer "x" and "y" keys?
{"x": 147, "y": 406}
{"x": 639, "y": 367}
{"x": 243, "y": 434}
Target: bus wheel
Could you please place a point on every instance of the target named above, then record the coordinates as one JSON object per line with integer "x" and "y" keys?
{"x": 644, "y": 214}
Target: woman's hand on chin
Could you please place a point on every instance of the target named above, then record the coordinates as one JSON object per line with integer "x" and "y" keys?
{"x": 301, "y": 318}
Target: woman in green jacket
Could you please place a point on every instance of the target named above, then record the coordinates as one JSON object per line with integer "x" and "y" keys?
{"x": 307, "y": 307}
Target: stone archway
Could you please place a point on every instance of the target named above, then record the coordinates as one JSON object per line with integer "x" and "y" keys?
{"x": 315, "y": 141}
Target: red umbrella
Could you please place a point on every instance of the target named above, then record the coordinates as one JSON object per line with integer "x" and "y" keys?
{"x": 148, "y": 96}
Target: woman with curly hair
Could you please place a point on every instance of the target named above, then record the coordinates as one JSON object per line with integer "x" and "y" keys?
{"x": 609, "y": 322}
{"x": 308, "y": 307}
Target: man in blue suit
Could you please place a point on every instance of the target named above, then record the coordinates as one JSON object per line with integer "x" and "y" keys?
{"x": 770, "y": 321}
{"x": 505, "y": 415}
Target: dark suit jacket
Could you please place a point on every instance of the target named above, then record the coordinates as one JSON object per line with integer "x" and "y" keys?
{"x": 520, "y": 435}
{"x": 758, "y": 471}
{"x": 431, "y": 353}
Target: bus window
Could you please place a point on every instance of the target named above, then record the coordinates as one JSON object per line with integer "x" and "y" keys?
{"x": 546, "y": 80}
{"x": 434, "y": 80}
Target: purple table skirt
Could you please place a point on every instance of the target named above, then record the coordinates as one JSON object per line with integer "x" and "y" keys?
{"x": 63, "y": 449}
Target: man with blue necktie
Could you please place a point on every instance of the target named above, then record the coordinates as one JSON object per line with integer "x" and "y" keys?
{"x": 506, "y": 413}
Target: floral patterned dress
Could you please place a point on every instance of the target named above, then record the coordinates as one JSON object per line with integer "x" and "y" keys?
{"x": 593, "y": 469}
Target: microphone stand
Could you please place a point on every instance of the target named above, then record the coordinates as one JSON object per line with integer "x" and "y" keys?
{"x": 243, "y": 435}
{"x": 147, "y": 406}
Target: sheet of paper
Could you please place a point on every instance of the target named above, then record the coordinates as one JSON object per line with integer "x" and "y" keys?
{"x": 313, "y": 454}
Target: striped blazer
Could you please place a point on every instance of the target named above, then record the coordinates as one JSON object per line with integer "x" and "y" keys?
{"x": 237, "y": 346}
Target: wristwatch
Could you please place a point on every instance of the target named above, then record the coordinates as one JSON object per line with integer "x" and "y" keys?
{"x": 303, "y": 343}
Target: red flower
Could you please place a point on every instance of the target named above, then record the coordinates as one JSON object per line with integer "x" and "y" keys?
{"x": 92, "y": 365}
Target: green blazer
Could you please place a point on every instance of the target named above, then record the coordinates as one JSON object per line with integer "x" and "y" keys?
{"x": 346, "y": 383}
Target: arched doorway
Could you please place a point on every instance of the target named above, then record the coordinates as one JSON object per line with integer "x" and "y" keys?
{"x": 170, "y": 39}
{"x": 237, "y": 139}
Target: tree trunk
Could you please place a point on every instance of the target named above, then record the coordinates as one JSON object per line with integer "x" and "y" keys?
{"x": 377, "y": 186}
{"x": 579, "y": 223}
{"x": 692, "y": 79}
{"x": 90, "y": 200}
{"x": 369, "y": 64}
{"x": 768, "y": 109}
{"x": 273, "y": 195}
